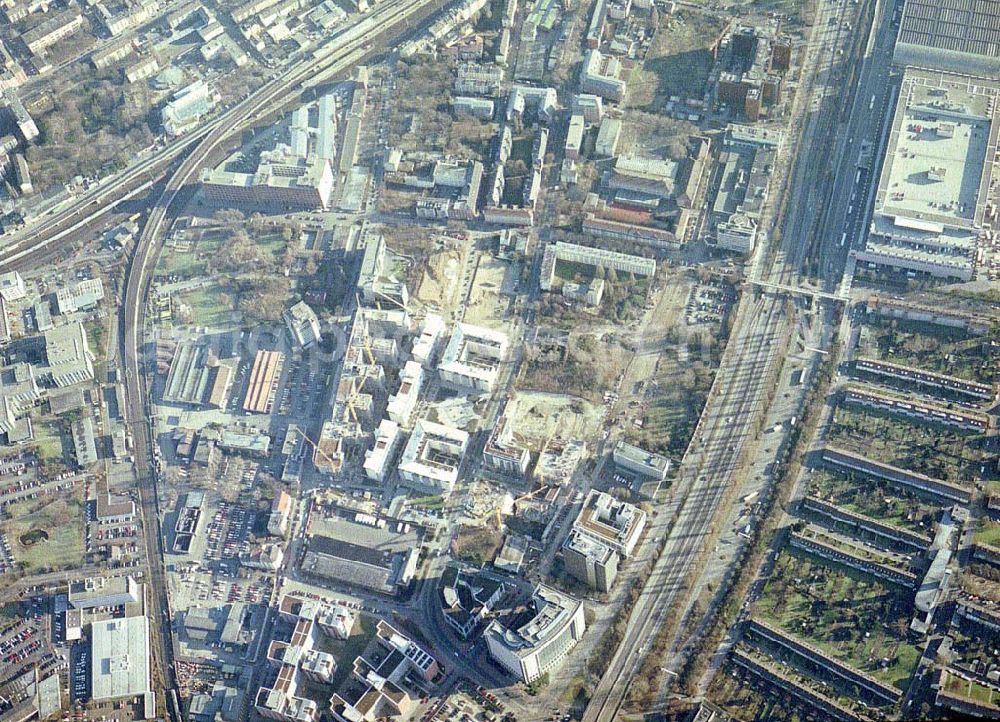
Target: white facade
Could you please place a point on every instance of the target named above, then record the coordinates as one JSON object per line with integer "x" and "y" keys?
{"x": 599, "y": 76}
{"x": 120, "y": 658}
{"x": 12, "y": 286}
{"x": 473, "y": 357}
{"x": 378, "y": 459}
{"x": 607, "y": 137}
{"x": 541, "y": 644}
{"x": 432, "y": 457}
{"x": 303, "y": 324}
{"x": 574, "y": 136}
{"x": 84, "y": 294}
{"x": 614, "y": 523}
{"x": 403, "y": 402}
{"x": 426, "y": 344}
{"x": 187, "y": 107}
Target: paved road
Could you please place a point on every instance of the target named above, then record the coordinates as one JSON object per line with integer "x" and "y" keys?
{"x": 739, "y": 393}
{"x": 351, "y": 48}
{"x": 846, "y": 209}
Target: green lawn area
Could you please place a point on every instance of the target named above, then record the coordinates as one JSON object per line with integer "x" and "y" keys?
{"x": 48, "y": 439}
{"x": 970, "y": 690}
{"x": 932, "y": 348}
{"x": 850, "y": 616}
{"x": 988, "y": 533}
{"x": 190, "y": 263}
{"x": 55, "y": 525}
{"x": 520, "y": 149}
{"x": 876, "y": 499}
{"x": 272, "y": 243}
{"x": 572, "y": 271}
{"x": 207, "y": 307}
{"x": 185, "y": 264}
{"x": 934, "y": 451}
{"x": 435, "y": 501}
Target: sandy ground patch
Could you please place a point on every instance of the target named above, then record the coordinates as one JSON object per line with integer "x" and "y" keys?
{"x": 440, "y": 283}
{"x": 490, "y": 290}
{"x": 537, "y": 416}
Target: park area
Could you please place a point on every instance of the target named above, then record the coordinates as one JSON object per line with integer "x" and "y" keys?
{"x": 228, "y": 270}
{"x": 46, "y": 533}
{"x": 679, "y": 59}
{"x": 934, "y": 451}
{"x": 967, "y": 689}
{"x": 988, "y": 532}
{"x": 876, "y": 499}
{"x": 932, "y": 348}
{"x": 848, "y": 615}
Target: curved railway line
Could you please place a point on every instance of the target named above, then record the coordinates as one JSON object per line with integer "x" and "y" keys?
{"x": 354, "y": 45}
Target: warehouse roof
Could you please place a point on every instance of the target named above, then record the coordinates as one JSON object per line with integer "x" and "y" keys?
{"x": 943, "y": 133}
{"x": 120, "y": 658}
{"x": 955, "y": 35}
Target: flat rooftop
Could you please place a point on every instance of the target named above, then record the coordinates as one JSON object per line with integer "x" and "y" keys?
{"x": 943, "y": 131}
{"x": 957, "y": 35}
{"x": 120, "y": 662}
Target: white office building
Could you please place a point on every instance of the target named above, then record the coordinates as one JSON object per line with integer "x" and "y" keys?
{"x": 378, "y": 459}
{"x": 12, "y": 286}
{"x": 187, "y": 107}
{"x": 536, "y": 641}
{"x": 432, "y": 457}
{"x": 403, "y": 402}
{"x": 472, "y": 358}
{"x": 83, "y": 295}
{"x": 303, "y": 325}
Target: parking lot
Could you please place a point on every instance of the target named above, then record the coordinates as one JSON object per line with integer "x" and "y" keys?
{"x": 7, "y": 563}
{"x": 26, "y": 643}
{"x": 228, "y": 533}
{"x": 709, "y": 301}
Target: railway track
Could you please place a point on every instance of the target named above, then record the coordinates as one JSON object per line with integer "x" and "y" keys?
{"x": 711, "y": 464}
{"x": 26, "y": 248}
{"x": 718, "y": 447}
{"x": 385, "y": 20}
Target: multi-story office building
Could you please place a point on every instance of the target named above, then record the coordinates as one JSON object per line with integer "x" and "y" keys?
{"x": 590, "y": 561}
{"x": 473, "y": 356}
{"x": 614, "y": 523}
{"x": 432, "y": 457}
{"x": 601, "y": 76}
{"x": 538, "y": 639}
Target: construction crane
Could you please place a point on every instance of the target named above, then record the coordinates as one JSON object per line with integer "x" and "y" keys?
{"x": 498, "y": 513}
{"x": 326, "y": 457}
{"x": 366, "y": 344}
{"x": 388, "y": 298}
{"x": 356, "y": 388}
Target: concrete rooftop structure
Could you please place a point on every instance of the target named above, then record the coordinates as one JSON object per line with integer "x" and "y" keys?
{"x": 943, "y": 131}
{"x": 120, "y": 658}
{"x": 936, "y": 176}
{"x": 961, "y": 36}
